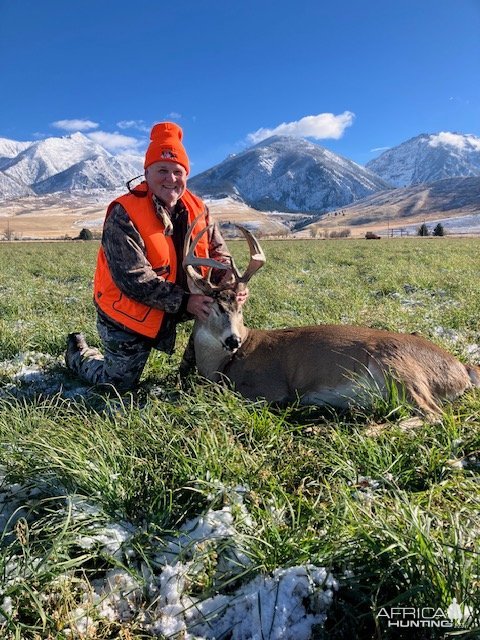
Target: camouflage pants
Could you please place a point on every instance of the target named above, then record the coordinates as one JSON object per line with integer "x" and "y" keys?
{"x": 121, "y": 365}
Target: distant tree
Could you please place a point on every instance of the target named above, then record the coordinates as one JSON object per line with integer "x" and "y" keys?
{"x": 85, "y": 234}
{"x": 439, "y": 230}
{"x": 8, "y": 233}
{"x": 341, "y": 233}
{"x": 423, "y": 230}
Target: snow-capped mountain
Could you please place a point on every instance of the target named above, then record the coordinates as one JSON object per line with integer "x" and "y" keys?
{"x": 10, "y": 188}
{"x": 429, "y": 157}
{"x": 288, "y": 174}
{"x": 279, "y": 174}
{"x": 98, "y": 172}
{"x": 11, "y": 148}
{"x": 45, "y": 158}
{"x": 69, "y": 163}
{"x": 130, "y": 160}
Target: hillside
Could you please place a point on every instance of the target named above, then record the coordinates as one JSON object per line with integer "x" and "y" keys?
{"x": 454, "y": 201}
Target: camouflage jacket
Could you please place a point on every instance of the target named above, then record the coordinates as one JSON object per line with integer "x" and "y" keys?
{"x": 125, "y": 253}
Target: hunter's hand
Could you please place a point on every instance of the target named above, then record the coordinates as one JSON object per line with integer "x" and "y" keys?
{"x": 199, "y": 305}
{"x": 242, "y": 295}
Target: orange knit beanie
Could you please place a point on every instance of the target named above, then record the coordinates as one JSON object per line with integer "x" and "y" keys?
{"x": 166, "y": 145}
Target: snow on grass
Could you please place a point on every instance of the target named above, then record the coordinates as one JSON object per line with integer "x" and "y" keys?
{"x": 185, "y": 585}
{"x": 160, "y": 592}
{"x": 459, "y": 340}
{"x": 32, "y": 373}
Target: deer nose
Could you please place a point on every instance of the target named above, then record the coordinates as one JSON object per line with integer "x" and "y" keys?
{"x": 232, "y": 342}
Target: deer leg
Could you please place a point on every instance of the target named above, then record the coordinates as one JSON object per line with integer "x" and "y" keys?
{"x": 417, "y": 391}
{"x": 422, "y": 398}
{"x": 473, "y": 374}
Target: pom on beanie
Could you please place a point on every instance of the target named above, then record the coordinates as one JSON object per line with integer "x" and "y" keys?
{"x": 166, "y": 145}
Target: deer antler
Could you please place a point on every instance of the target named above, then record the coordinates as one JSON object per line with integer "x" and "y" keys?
{"x": 257, "y": 257}
{"x": 190, "y": 261}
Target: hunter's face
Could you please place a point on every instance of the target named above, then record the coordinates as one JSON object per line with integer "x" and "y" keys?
{"x": 167, "y": 180}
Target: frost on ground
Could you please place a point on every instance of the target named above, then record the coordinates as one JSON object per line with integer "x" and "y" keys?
{"x": 458, "y": 341}
{"x": 32, "y": 374}
{"x": 188, "y": 584}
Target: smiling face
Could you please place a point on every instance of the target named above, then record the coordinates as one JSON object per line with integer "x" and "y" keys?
{"x": 167, "y": 180}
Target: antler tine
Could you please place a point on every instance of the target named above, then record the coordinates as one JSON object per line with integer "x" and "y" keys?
{"x": 257, "y": 257}
{"x": 190, "y": 260}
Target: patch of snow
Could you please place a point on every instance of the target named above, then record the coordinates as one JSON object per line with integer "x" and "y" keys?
{"x": 156, "y": 589}
{"x": 31, "y": 373}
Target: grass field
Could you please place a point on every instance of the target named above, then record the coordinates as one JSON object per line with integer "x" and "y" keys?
{"x": 192, "y": 513}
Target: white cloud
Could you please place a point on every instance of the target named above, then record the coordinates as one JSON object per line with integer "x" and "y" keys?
{"x": 75, "y": 125}
{"x": 459, "y": 100}
{"x": 174, "y": 115}
{"x": 114, "y": 141}
{"x": 321, "y": 126}
{"x": 379, "y": 149}
{"x": 134, "y": 124}
{"x": 454, "y": 140}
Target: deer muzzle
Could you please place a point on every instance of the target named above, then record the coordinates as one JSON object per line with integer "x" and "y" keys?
{"x": 232, "y": 343}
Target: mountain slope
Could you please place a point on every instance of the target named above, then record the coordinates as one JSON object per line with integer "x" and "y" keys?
{"x": 11, "y": 188}
{"x": 98, "y": 172}
{"x": 448, "y": 197}
{"x": 288, "y": 174}
{"x": 429, "y": 157}
{"x": 10, "y": 149}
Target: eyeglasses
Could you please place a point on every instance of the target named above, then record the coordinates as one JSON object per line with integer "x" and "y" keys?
{"x": 141, "y": 189}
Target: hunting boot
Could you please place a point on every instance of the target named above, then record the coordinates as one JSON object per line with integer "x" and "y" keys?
{"x": 84, "y": 361}
{"x": 76, "y": 344}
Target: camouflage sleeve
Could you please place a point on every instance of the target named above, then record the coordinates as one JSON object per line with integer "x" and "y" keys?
{"x": 218, "y": 250}
{"x": 132, "y": 273}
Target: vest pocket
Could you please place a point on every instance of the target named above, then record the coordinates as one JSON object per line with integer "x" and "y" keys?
{"x": 131, "y": 309}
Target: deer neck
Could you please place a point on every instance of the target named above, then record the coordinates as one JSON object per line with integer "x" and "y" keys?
{"x": 211, "y": 357}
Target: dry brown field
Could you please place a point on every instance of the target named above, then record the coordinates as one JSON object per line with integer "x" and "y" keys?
{"x": 49, "y": 217}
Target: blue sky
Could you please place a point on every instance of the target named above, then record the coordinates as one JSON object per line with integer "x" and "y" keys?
{"x": 353, "y": 76}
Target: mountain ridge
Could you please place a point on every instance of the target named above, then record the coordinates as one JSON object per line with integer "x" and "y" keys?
{"x": 50, "y": 165}
{"x": 280, "y": 174}
{"x": 288, "y": 174}
{"x": 429, "y": 157}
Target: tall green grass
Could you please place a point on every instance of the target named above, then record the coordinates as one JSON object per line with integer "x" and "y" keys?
{"x": 393, "y": 511}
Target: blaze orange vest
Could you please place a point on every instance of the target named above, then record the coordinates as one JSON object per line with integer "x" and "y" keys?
{"x": 160, "y": 253}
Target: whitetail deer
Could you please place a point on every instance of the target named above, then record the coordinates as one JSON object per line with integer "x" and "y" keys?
{"x": 332, "y": 365}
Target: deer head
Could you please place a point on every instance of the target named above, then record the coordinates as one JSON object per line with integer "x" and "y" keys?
{"x": 225, "y": 322}
{"x": 191, "y": 261}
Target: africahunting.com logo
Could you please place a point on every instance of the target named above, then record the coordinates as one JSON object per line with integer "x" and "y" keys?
{"x": 425, "y": 617}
